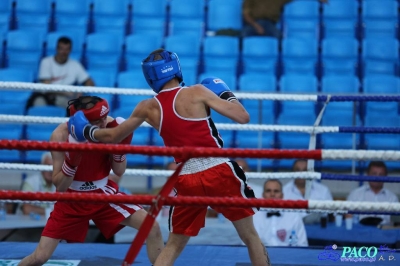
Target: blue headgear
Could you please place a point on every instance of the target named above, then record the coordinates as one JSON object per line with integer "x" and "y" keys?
{"x": 159, "y": 72}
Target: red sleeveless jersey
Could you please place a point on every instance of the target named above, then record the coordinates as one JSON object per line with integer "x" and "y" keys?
{"x": 93, "y": 166}
{"x": 178, "y": 131}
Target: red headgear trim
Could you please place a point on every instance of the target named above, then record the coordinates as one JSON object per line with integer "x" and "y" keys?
{"x": 98, "y": 111}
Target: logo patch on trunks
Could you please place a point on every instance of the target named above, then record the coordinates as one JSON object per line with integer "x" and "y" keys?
{"x": 88, "y": 186}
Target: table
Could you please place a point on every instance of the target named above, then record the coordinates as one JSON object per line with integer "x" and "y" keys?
{"x": 217, "y": 233}
{"x": 359, "y": 234}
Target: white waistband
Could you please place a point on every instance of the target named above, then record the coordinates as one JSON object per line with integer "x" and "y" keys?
{"x": 196, "y": 165}
{"x": 88, "y": 185}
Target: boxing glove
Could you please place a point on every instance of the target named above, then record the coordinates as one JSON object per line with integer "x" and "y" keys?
{"x": 219, "y": 87}
{"x": 118, "y": 157}
{"x": 80, "y": 128}
{"x": 72, "y": 159}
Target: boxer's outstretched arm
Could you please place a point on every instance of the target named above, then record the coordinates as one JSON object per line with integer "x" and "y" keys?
{"x": 117, "y": 134}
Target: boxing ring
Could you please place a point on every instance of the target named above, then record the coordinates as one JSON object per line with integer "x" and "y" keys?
{"x": 103, "y": 254}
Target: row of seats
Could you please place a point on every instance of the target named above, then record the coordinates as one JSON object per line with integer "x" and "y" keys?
{"x": 300, "y": 18}
{"x": 218, "y": 54}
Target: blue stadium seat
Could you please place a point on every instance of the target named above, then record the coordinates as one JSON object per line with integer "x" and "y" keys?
{"x": 138, "y": 47}
{"x": 340, "y": 114}
{"x": 72, "y": 15}
{"x": 111, "y": 16}
{"x": 224, "y": 15}
{"x": 103, "y": 51}
{"x": 299, "y": 55}
{"x": 149, "y": 17}
{"x": 4, "y": 23}
{"x": 298, "y": 84}
{"x": 260, "y": 111}
{"x": 340, "y": 84}
{"x": 153, "y": 26}
{"x": 260, "y": 54}
{"x": 339, "y": 56}
{"x": 132, "y": 80}
{"x": 76, "y": 39}
{"x": 221, "y": 53}
{"x": 382, "y": 141}
{"x": 188, "y": 50}
{"x": 34, "y": 15}
{"x": 380, "y": 56}
{"x": 381, "y": 84}
{"x": 24, "y": 49}
{"x": 381, "y": 109}
{"x": 14, "y": 74}
{"x": 303, "y": 116}
{"x": 41, "y": 132}
{"x": 340, "y": 18}
{"x": 187, "y": 18}
{"x": 301, "y": 19}
{"x": 12, "y": 96}
{"x": 257, "y": 82}
{"x": 187, "y": 28}
{"x": 103, "y": 79}
{"x": 228, "y": 78}
{"x": 10, "y": 156}
{"x": 380, "y": 18}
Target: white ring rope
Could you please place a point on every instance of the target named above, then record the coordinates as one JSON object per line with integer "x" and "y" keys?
{"x": 361, "y": 155}
{"x": 123, "y": 91}
{"x": 165, "y": 173}
{"x": 354, "y": 205}
{"x": 222, "y": 126}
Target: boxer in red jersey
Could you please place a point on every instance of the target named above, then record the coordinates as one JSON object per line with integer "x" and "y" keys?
{"x": 88, "y": 173}
{"x": 181, "y": 115}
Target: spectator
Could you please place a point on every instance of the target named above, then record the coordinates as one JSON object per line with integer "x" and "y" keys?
{"x": 261, "y": 17}
{"x": 373, "y": 192}
{"x": 39, "y": 182}
{"x": 275, "y": 228}
{"x": 296, "y": 189}
{"x": 60, "y": 69}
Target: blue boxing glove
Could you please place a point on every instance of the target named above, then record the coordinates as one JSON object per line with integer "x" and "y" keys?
{"x": 80, "y": 128}
{"x": 219, "y": 87}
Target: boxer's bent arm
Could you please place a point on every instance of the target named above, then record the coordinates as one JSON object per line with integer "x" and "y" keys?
{"x": 118, "y": 167}
{"x": 61, "y": 181}
{"x": 231, "y": 109}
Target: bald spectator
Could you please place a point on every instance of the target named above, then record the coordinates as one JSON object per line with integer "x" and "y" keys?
{"x": 275, "y": 228}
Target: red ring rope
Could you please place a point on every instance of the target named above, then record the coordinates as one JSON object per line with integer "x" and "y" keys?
{"x": 151, "y": 199}
{"x": 186, "y": 152}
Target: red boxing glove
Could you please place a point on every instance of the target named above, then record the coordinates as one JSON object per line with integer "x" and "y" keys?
{"x": 71, "y": 160}
{"x": 126, "y": 141}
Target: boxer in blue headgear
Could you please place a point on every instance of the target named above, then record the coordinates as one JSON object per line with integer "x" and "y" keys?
{"x": 160, "y": 67}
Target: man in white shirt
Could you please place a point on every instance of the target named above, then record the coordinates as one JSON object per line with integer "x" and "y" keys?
{"x": 60, "y": 69}
{"x": 374, "y": 192}
{"x": 274, "y": 228}
{"x": 39, "y": 182}
{"x": 296, "y": 189}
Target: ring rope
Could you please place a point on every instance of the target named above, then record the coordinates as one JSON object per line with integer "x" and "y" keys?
{"x": 249, "y": 175}
{"x": 204, "y": 201}
{"x": 225, "y": 126}
{"x": 192, "y": 152}
{"x": 255, "y": 96}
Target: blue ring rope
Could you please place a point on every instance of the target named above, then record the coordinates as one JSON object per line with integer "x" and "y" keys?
{"x": 360, "y": 98}
{"x": 391, "y": 179}
{"x": 380, "y": 130}
{"x": 365, "y": 212}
